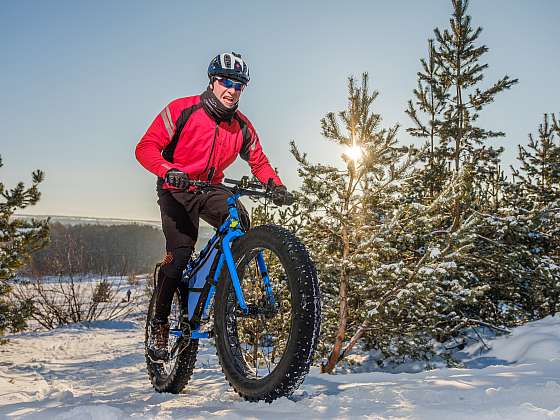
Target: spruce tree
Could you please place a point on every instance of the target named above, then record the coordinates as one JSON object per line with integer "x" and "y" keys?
{"x": 333, "y": 203}
{"x": 462, "y": 178}
{"x": 413, "y": 282}
{"x": 18, "y": 238}
{"x": 450, "y": 94}
{"x": 431, "y": 95}
{"x": 539, "y": 173}
{"x": 524, "y": 237}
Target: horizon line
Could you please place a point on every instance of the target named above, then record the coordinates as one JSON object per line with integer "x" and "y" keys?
{"x": 87, "y": 217}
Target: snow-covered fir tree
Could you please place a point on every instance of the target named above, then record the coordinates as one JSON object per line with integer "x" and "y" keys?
{"x": 333, "y": 203}
{"x": 415, "y": 287}
{"x": 449, "y": 98}
{"x": 538, "y": 177}
{"x": 461, "y": 180}
{"x": 431, "y": 95}
{"x": 518, "y": 260}
{"x": 521, "y": 240}
{"x": 18, "y": 238}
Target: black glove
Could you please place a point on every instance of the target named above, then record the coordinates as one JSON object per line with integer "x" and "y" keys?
{"x": 177, "y": 178}
{"x": 281, "y": 196}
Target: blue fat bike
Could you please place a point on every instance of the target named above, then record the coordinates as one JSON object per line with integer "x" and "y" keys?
{"x": 256, "y": 293}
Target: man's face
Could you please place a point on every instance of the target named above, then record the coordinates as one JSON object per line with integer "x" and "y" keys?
{"x": 227, "y": 96}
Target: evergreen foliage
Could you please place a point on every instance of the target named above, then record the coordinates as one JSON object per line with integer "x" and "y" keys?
{"x": 431, "y": 94}
{"x": 524, "y": 236}
{"x": 18, "y": 239}
{"x": 450, "y": 95}
{"x": 335, "y": 203}
{"x": 417, "y": 285}
{"x": 538, "y": 178}
{"x": 517, "y": 253}
{"x": 417, "y": 246}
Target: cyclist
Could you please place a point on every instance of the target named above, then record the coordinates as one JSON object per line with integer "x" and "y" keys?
{"x": 196, "y": 138}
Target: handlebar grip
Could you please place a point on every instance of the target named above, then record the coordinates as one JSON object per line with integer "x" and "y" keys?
{"x": 244, "y": 184}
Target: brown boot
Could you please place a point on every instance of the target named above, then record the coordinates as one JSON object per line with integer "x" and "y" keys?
{"x": 159, "y": 337}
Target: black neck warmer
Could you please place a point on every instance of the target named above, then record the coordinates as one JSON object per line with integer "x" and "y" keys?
{"x": 213, "y": 107}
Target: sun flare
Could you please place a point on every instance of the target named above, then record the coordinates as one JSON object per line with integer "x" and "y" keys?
{"x": 354, "y": 152}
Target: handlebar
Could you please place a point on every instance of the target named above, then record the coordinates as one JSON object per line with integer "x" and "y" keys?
{"x": 243, "y": 187}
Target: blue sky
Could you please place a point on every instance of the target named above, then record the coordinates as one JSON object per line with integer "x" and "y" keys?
{"x": 82, "y": 80}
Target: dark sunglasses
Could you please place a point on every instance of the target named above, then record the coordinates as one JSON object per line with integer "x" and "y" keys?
{"x": 228, "y": 83}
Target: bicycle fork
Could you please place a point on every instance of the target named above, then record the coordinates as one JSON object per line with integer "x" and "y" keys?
{"x": 235, "y": 278}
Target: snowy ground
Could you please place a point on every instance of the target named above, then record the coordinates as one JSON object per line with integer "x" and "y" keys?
{"x": 97, "y": 372}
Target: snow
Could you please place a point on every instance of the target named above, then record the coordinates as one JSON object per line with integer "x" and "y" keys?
{"x": 97, "y": 372}
{"x": 434, "y": 252}
{"x": 533, "y": 342}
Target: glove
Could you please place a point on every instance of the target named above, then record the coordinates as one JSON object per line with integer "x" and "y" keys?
{"x": 177, "y": 178}
{"x": 281, "y": 196}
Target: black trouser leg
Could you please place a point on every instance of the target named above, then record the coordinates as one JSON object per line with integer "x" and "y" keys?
{"x": 179, "y": 215}
{"x": 168, "y": 281}
{"x": 180, "y": 227}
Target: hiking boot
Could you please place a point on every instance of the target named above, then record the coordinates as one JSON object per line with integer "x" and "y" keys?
{"x": 159, "y": 337}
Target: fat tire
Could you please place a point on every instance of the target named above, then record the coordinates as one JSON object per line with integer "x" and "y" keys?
{"x": 306, "y": 316}
{"x": 178, "y": 378}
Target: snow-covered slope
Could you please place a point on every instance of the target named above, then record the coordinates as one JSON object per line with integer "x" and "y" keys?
{"x": 97, "y": 372}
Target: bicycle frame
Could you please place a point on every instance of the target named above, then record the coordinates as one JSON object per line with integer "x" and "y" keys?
{"x": 227, "y": 233}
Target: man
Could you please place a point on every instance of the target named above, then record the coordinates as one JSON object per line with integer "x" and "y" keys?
{"x": 196, "y": 138}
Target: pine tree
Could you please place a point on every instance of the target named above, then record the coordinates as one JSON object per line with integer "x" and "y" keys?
{"x": 431, "y": 96}
{"x": 333, "y": 202}
{"x": 453, "y": 100}
{"x": 418, "y": 286}
{"x": 539, "y": 174}
{"x": 18, "y": 238}
{"x": 522, "y": 239}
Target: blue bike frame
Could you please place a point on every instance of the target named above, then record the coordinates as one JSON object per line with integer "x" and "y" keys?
{"x": 228, "y": 232}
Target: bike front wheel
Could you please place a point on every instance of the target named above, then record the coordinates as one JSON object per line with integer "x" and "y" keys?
{"x": 267, "y": 354}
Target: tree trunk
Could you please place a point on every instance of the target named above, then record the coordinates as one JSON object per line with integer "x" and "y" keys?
{"x": 354, "y": 340}
{"x": 342, "y": 311}
{"x": 458, "y": 142}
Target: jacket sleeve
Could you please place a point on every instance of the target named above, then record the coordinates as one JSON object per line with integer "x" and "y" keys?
{"x": 150, "y": 146}
{"x": 253, "y": 153}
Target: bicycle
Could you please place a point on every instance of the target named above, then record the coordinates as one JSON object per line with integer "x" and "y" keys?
{"x": 262, "y": 289}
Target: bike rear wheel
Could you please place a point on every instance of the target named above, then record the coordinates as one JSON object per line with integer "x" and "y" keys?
{"x": 173, "y": 375}
{"x": 266, "y": 355}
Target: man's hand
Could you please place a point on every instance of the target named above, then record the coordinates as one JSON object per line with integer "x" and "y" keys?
{"x": 281, "y": 196}
{"x": 177, "y": 178}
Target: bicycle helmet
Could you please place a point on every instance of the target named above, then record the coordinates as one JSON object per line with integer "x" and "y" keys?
{"x": 229, "y": 65}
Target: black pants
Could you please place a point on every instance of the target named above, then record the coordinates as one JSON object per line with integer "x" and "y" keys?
{"x": 180, "y": 214}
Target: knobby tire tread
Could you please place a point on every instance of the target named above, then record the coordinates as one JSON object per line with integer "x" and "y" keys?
{"x": 293, "y": 367}
{"x": 184, "y": 365}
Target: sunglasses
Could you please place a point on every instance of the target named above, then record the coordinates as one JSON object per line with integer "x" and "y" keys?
{"x": 228, "y": 83}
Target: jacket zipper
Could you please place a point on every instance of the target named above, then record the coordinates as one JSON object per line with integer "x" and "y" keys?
{"x": 211, "y": 173}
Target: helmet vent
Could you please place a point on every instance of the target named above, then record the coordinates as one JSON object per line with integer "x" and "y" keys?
{"x": 227, "y": 61}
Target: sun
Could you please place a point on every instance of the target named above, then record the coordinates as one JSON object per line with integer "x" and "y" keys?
{"x": 354, "y": 152}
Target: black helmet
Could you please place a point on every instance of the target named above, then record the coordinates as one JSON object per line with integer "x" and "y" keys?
{"x": 229, "y": 65}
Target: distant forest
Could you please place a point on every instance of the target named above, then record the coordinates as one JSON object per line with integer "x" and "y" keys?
{"x": 107, "y": 250}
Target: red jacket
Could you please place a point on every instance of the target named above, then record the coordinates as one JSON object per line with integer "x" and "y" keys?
{"x": 202, "y": 145}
